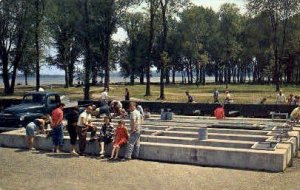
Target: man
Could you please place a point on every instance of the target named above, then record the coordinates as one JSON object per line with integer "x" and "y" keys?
{"x": 190, "y": 98}
{"x": 104, "y": 95}
{"x": 133, "y": 146}
{"x": 72, "y": 118}
{"x": 57, "y": 127}
{"x": 280, "y": 98}
{"x": 216, "y": 96}
{"x": 228, "y": 99}
{"x": 83, "y": 126}
{"x": 295, "y": 115}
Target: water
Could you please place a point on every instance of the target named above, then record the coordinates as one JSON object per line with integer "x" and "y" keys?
{"x": 60, "y": 79}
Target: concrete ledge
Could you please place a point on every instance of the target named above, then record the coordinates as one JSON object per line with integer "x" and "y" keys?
{"x": 275, "y": 161}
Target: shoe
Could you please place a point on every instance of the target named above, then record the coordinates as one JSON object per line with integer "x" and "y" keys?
{"x": 102, "y": 156}
{"x": 31, "y": 149}
{"x": 73, "y": 153}
{"x": 125, "y": 159}
{"x": 82, "y": 154}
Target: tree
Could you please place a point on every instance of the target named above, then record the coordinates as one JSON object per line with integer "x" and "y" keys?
{"x": 61, "y": 24}
{"x": 14, "y": 26}
{"x": 39, "y": 10}
{"x": 279, "y": 12}
{"x": 167, "y": 7}
{"x": 230, "y": 27}
{"x": 153, "y": 6}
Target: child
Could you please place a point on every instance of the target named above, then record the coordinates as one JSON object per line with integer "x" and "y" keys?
{"x": 36, "y": 125}
{"x": 147, "y": 113}
{"x": 121, "y": 138}
{"x": 219, "y": 112}
{"x": 106, "y": 135}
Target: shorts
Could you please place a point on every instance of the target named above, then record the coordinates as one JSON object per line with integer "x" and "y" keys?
{"x": 30, "y": 128}
{"x": 105, "y": 139}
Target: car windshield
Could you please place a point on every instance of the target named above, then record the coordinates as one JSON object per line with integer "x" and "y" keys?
{"x": 34, "y": 98}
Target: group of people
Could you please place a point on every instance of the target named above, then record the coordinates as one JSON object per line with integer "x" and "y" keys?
{"x": 80, "y": 123}
{"x": 227, "y": 99}
{"x": 280, "y": 98}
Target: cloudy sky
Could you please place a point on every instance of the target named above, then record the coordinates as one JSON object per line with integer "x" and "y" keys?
{"x": 121, "y": 34}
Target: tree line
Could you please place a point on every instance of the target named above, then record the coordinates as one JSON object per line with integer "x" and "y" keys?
{"x": 176, "y": 37}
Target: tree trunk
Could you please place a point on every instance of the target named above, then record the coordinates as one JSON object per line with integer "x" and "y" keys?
{"x": 150, "y": 47}
{"x": 66, "y": 77}
{"x": 71, "y": 69}
{"x": 132, "y": 77}
{"x": 173, "y": 75}
{"x": 216, "y": 73}
{"x": 87, "y": 63}
{"x": 5, "y": 74}
{"x": 37, "y": 44}
{"x": 142, "y": 74}
{"x": 198, "y": 74}
{"x": 26, "y": 77}
{"x": 94, "y": 75}
{"x": 167, "y": 76}
{"x": 164, "y": 40}
{"x": 106, "y": 62}
{"x": 203, "y": 75}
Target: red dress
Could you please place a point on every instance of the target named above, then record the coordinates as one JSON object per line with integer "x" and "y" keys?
{"x": 121, "y": 136}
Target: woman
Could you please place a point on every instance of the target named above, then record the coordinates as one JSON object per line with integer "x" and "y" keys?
{"x": 127, "y": 96}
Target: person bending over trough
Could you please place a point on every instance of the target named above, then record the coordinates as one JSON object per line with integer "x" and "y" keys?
{"x": 37, "y": 125}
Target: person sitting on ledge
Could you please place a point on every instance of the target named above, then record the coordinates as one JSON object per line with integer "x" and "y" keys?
{"x": 121, "y": 138}
{"x": 263, "y": 101}
{"x": 219, "y": 112}
{"x": 190, "y": 98}
{"x": 228, "y": 99}
{"x": 295, "y": 114}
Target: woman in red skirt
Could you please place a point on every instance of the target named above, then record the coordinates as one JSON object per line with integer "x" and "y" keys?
{"x": 121, "y": 138}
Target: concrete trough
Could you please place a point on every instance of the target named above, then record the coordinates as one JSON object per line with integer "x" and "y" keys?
{"x": 241, "y": 137}
{"x": 195, "y": 141}
{"x": 198, "y": 154}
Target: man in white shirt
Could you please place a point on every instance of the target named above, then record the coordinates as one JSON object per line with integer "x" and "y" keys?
{"x": 84, "y": 125}
{"x": 133, "y": 146}
{"x": 280, "y": 98}
{"x": 104, "y": 95}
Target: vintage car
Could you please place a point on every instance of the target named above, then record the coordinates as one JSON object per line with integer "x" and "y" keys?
{"x": 34, "y": 105}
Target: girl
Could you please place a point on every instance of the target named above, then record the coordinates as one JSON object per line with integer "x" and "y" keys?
{"x": 121, "y": 138}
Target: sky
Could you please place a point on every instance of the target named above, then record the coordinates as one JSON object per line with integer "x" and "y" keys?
{"x": 121, "y": 34}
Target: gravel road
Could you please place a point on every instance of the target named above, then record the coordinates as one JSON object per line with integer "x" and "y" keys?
{"x": 22, "y": 169}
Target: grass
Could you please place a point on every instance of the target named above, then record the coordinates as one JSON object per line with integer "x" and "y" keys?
{"x": 174, "y": 92}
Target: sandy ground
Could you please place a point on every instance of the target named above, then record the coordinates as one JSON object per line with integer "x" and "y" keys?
{"x": 22, "y": 169}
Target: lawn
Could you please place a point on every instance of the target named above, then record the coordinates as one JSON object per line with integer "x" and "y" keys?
{"x": 174, "y": 92}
